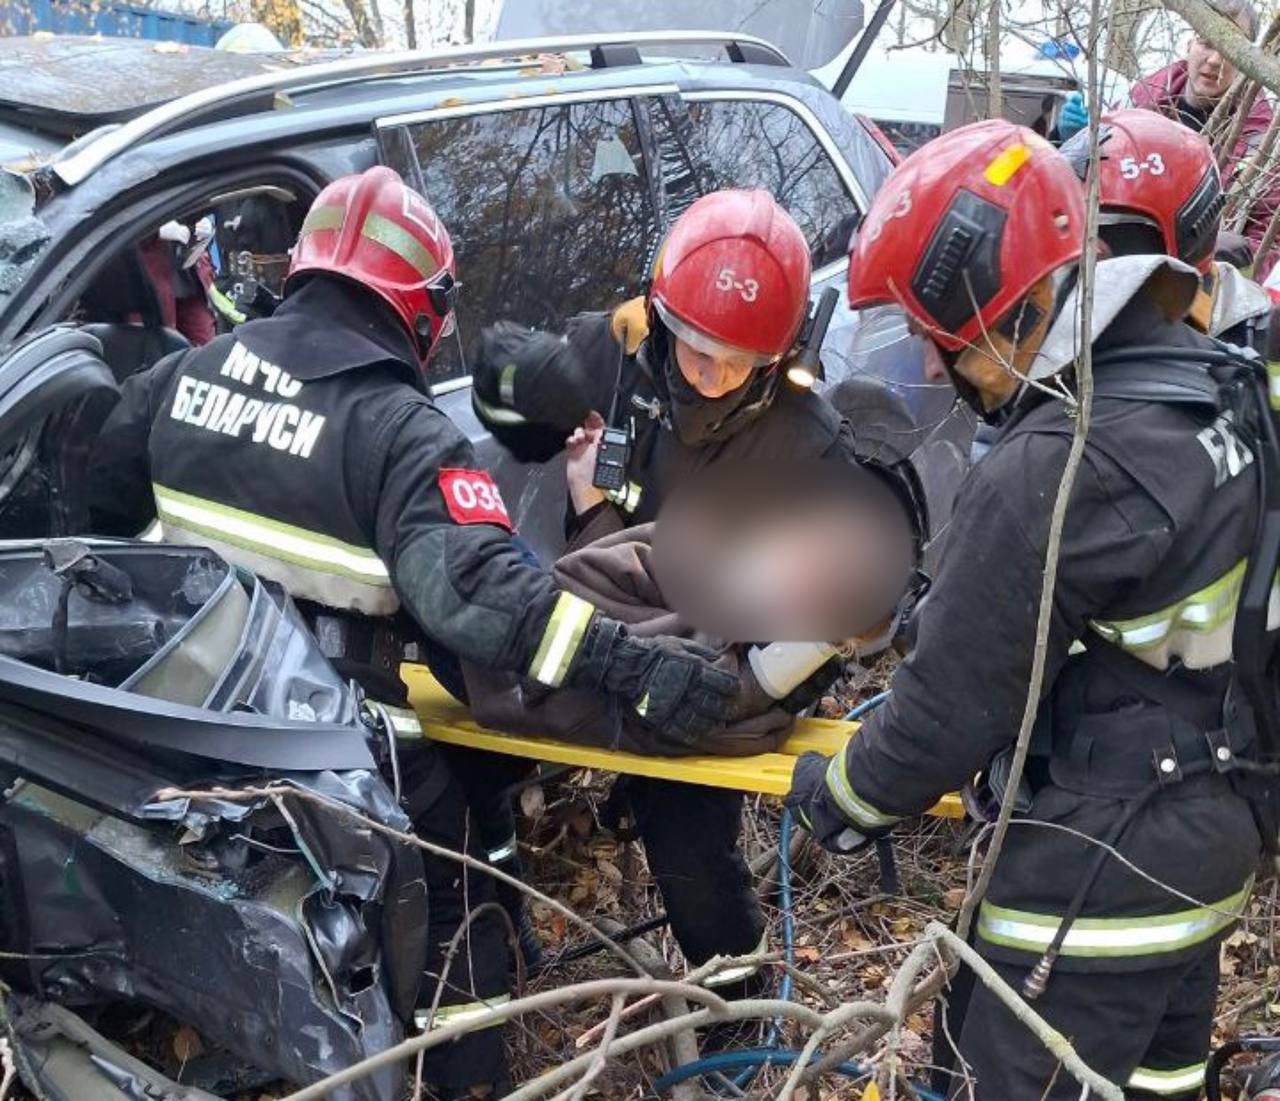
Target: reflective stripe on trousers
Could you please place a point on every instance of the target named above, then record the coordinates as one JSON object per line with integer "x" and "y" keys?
{"x": 404, "y": 722}
{"x": 453, "y": 1014}
{"x": 1111, "y": 938}
{"x": 742, "y": 971}
{"x": 308, "y": 564}
{"x": 1186, "y": 1079}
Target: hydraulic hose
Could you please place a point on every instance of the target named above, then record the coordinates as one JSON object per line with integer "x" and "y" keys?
{"x": 754, "y": 1058}
{"x": 751, "y": 1060}
{"x": 788, "y": 938}
{"x": 865, "y": 706}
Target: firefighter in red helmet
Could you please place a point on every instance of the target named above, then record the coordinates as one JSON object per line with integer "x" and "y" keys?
{"x": 1140, "y": 738}
{"x": 693, "y": 373}
{"x": 1160, "y": 191}
{"x": 304, "y": 446}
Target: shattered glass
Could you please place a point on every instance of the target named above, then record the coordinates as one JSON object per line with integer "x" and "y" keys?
{"x": 22, "y": 235}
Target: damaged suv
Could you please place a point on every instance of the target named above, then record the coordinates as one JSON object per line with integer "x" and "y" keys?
{"x": 155, "y": 703}
{"x": 181, "y": 764}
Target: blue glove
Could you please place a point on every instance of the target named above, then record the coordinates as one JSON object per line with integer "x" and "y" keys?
{"x": 808, "y": 801}
{"x": 1073, "y": 117}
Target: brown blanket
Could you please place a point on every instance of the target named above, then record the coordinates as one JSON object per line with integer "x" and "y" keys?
{"x": 615, "y": 573}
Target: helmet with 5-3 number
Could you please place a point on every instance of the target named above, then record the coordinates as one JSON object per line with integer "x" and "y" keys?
{"x": 965, "y": 227}
{"x": 375, "y": 231}
{"x": 1159, "y": 190}
{"x": 733, "y": 273}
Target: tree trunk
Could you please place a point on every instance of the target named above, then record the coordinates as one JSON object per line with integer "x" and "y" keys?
{"x": 362, "y": 22}
{"x": 957, "y": 34}
{"x": 469, "y": 22}
{"x": 410, "y": 26}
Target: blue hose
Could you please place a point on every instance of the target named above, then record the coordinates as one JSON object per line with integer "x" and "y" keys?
{"x": 788, "y": 938}
{"x": 865, "y": 706}
{"x": 753, "y": 1058}
{"x": 772, "y": 1055}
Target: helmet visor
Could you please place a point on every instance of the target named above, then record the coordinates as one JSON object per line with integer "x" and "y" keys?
{"x": 737, "y": 361}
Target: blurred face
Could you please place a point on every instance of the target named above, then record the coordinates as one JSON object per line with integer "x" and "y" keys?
{"x": 1209, "y": 74}
{"x": 713, "y": 375}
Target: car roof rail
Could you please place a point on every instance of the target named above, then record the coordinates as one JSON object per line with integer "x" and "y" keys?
{"x": 607, "y": 49}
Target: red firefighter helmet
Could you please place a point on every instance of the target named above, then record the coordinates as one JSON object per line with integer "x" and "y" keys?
{"x": 377, "y": 232}
{"x": 1154, "y": 171}
{"x": 965, "y": 227}
{"x": 733, "y": 274}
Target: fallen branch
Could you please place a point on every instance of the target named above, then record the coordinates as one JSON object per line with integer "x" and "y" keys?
{"x": 10, "y": 1069}
{"x": 717, "y": 1009}
{"x": 1058, "y": 1045}
{"x": 746, "y": 1010}
{"x": 579, "y": 1089}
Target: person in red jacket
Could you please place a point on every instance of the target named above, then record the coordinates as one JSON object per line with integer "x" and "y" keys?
{"x": 1189, "y": 90}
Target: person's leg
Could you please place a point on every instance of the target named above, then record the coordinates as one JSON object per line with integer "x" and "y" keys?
{"x": 1111, "y": 1020}
{"x": 473, "y": 973}
{"x": 690, "y": 836}
{"x": 485, "y": 778}
{"x": 1172, "y": 1069}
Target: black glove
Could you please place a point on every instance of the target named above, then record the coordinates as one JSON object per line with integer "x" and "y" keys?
{"x": 808, "y": 801}
{"x": 671, "y": 682}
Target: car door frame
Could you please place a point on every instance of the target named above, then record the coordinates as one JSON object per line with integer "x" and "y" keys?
{"x": 51, "y": 291}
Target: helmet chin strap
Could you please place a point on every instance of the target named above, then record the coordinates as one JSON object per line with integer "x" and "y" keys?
{"x": 1015, "y": 337}
{"x": 422, "y": 334}
{"x": 695, "y": 418}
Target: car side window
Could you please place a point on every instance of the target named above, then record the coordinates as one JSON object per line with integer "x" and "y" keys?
{"x": 710, "y": 143}
{"x": 548, "y": 208}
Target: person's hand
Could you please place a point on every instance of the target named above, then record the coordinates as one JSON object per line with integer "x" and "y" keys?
{"x": 581, "y": 449}
{"x": 806, "y": 800}
{"x": 673, "y": 684}
{"x": 1073, "y": 117}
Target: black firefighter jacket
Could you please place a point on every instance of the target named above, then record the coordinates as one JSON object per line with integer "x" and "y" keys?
{"x": 303, "y": 447}
{"x": 533, "y": 388}
{"x": 1160, "y": 518}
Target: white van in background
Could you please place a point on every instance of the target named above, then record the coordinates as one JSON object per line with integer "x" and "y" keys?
{"x": 914, "y": 94}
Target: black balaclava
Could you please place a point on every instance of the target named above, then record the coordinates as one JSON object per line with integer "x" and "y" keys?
{"x": 696, "y": 419}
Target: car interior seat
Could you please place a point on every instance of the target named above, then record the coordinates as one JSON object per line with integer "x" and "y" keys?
{"x": 120, "y": 309}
